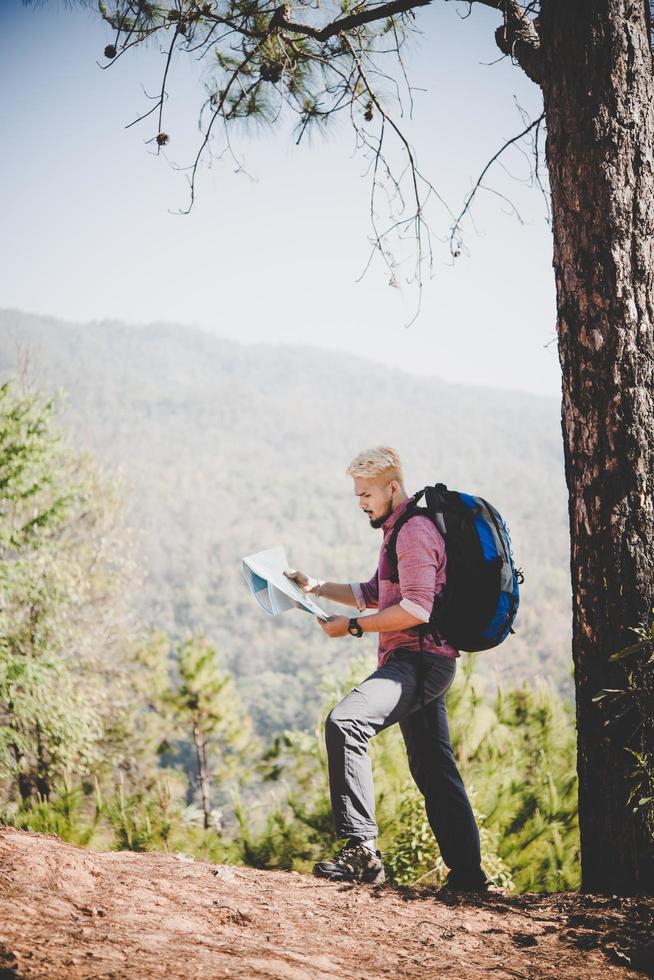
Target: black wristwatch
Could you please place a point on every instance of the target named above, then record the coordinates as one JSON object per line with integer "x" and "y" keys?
{"x": 354, "y": 628}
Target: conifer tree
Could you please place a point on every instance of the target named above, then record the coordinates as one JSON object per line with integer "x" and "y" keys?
{"x": 60, "y": 571}
{"x": 206, "y": 706}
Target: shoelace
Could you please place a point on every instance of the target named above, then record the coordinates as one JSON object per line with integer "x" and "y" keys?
{"x": 348, "y": 851}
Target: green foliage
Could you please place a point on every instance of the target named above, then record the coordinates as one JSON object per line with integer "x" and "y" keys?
{"x": 49, "y": 726}
{"x": 413, "y": 856}
{"x": 159, "y": 819}
{"x": 205, "y": 696}
{"x": 57, "y": 588}
{"x": 139, "y": 730}
{"x": 87, "y": 710}
{"x": 140, "y": 821}
{"x": 518, "y": 754}
{"x": 634, "y": 700}
{"x": 205, "y": 707}
{"x": 268, "y": 70}
{"x": 63, "y": 814}
{"x": 283, "y": 843}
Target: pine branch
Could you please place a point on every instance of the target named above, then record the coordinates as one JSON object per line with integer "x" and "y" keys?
{"x": 365, "y": 15}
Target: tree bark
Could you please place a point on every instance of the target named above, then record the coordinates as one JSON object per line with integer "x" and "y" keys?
{"x": 598, "y": 93}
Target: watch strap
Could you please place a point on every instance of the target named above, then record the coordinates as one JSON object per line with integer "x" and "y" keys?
{"x": 354, "y": 628}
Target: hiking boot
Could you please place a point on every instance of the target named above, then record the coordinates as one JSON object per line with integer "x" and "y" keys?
{"x": 354, "y": 862}
{"x": 466, "y": 881}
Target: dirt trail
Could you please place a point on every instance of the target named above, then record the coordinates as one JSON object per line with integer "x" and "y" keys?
{"x": 71, "y": 913}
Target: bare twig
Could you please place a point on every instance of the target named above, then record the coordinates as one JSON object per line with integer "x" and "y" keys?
{"x": 455, "y": 243}
{"x": 218, "y": 111}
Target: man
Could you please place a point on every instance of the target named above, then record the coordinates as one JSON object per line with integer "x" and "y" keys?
{"x": 408, "y": 687}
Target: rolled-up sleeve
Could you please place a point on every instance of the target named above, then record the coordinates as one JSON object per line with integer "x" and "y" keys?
{"x": 420, "y": 559}
{"x": 366, "y": 594}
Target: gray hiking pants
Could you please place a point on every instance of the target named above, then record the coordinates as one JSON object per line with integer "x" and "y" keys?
{"x": 410, "y": 689}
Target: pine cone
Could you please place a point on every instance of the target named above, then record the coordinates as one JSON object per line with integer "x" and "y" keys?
{"x": 270, "y": 72}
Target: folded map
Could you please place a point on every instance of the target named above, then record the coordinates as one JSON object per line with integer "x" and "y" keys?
{"x": 273, "y": 590}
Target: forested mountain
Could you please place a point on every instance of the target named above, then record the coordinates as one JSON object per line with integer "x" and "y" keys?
{"x": 227, "y": 449}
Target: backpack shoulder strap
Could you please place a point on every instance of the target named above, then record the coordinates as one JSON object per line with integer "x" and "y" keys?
{"x": 391, "y": 548}
{"x": 434, "y": 501}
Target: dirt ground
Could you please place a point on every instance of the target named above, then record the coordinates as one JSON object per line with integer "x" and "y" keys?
{"x": 71, "y": 913}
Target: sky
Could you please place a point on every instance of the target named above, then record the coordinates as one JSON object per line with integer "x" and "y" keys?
{"x": 272, "y": 253}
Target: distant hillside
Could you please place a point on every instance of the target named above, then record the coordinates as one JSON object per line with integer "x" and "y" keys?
{"x": 227, "y": 449}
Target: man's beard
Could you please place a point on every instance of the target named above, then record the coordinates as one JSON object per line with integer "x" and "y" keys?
{"x": 377, "y": 522}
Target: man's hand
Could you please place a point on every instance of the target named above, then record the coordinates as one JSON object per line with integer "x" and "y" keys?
{"x": 335, "y": 625}
{"x": 305, "y": 582}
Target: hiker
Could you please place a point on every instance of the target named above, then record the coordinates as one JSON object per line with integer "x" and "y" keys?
{"x": 413, "y": 675}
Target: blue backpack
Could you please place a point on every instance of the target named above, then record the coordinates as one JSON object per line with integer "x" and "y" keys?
{"x": 476, "y": 608}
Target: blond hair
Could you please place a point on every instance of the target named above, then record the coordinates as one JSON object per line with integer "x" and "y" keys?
{"x": 380, "y": 461}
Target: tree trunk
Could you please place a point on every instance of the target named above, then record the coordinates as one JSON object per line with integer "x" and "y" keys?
{"x": 201, "y": 751}
{"x": 597, "y": 87}
{"x": 42, "y": 777}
